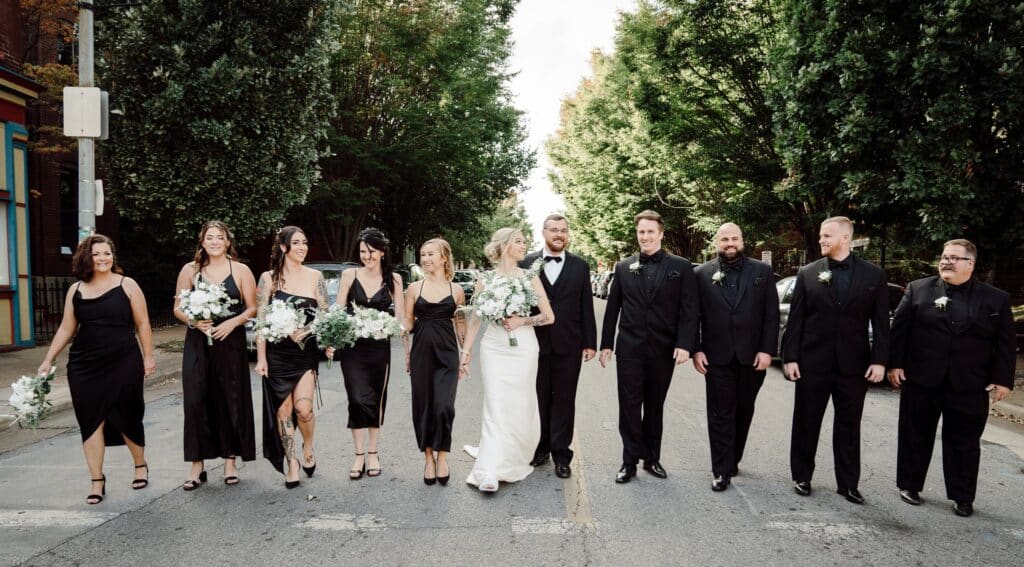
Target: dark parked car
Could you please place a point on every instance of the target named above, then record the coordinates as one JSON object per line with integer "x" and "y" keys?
{"x": 410, "y": 273}
{"x": 604, "y": 284}
{"x": 467, "y": 280}
{"x": 785, "y": 288}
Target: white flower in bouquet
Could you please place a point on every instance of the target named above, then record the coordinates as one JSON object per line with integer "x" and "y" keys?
{"x": 29, "y": 398}
{"x": 279, "y": 321}
{"x": 504, "y": 296}
{"x": 373, "y": 324}
{"x": 205, "y": 301}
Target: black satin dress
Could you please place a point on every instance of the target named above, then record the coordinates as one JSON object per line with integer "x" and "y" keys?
{"x": 366, "y": 367}
{"x": 434, "y": 365}
{"x": 217, "y": 393}
{"x": 105, "y": 370}
{"x": 287, "y": 363}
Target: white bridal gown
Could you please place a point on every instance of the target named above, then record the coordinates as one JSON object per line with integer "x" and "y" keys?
{"x": 510, "y": 427}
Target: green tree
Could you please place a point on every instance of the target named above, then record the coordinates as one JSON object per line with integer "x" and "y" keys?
{"x": 468, "y": 243}
{"x": 426, "y": 140}
{"x": 223, "y": 109}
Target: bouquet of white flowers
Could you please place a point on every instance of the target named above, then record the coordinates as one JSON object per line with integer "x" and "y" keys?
{"x": 373, "y": 324}
{"x": 334, "y": 328}
{"x": 279, "y": 321}
{"x": 503, "y": 296}
{"x": 205, "y": 301}
{"x": 29, "y": 398}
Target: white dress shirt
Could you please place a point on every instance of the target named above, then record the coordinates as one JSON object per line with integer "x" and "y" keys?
{"x": 552, "y": 269}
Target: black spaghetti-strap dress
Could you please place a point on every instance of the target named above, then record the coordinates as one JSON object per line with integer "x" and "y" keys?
{"x": 105, "y": 371}
{"x": 366, "y": 366}
{"x": 215, "y": 386}
{"x": 434, "y": 365}
{"x": 287, "y": 362}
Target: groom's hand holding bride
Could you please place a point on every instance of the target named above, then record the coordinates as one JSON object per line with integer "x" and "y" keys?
{"x": 464, "y": 359}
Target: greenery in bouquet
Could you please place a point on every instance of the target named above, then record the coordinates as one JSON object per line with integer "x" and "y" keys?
{"x": 29, "y": 398}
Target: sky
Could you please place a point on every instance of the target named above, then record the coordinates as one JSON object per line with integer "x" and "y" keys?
{"x": 553, "y": 42}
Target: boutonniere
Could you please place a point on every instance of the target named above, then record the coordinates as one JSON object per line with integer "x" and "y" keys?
{"x": 941, "y": 303}
{"x": 718, "y": 277}
{"x": 825, "y": 277}
{"x": 634, "y": 268}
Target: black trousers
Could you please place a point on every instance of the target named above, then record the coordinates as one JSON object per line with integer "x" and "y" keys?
{"x": 963, "y": 421}
{"x": 731, "y": 392}
{"x": 557, "y": 378}
{"x": 643, "y": 385}
{"x": 813, "y": 391}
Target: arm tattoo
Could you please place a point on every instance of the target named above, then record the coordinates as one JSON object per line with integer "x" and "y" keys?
{"x": 262, "y": 295}
{"x": 321, "y": 293}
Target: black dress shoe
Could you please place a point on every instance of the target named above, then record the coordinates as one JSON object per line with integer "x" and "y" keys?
{"x": 539, "y": 459}
{"x": 963, "y": 509}
{"x": 562, "y": 470}
{"x": 802, "y": 487}
{"x": 911, "y": 497}
{"x": 720, "y": 483}
{"x": 851, "y": 494}
{"x": 655, "y": 469}
{"x": 626, "y": 474}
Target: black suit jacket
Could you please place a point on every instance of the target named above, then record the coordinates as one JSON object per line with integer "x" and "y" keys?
{"x": 665, "y": 319}
{"x": 926, "y": 347}
{"x": 746, "y": 328}
{"x": 822, "y": 334}
{"x": 570, "y": 296}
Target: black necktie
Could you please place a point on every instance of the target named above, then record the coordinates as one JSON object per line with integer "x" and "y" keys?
{"x": 555, "y": 259}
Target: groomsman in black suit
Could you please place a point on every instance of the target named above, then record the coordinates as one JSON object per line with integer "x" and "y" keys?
{"x": 739, "y": 331}
{"x": 828, "y": 354}
{"x": 952, "y": 344}
{"x": 565, "y": 345}
{"x": 654, "y": 302}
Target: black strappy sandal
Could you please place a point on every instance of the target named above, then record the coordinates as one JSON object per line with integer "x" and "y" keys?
{"x": 97, "y": 498}
{"x": 140, "y": 483}
{"x": 376, "y": 470}
{"x": 231, "y": 480}
{"x": 356, "y": 474}
{"x": 194, "y": 484}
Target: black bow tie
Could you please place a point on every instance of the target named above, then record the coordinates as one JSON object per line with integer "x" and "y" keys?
{"x": 555, "y": 259}
{"x": 734, "y": 266}
{"x": 654, "y": 258}
{"x": 835, "y": 265}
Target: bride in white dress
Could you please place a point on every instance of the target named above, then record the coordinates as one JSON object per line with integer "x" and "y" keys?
{"x": 510, "y": 426}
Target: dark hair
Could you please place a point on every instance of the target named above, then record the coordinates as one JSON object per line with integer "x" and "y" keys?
{"x": 969, "y": 246}
{"x": 376, "y": 240}
{"x": 554, "y": 217}
{"x": 201, "y": 258}
{"x": 81, "y": 262}
{"x": 649, "y": 215}
{"x": 283, "y": 238}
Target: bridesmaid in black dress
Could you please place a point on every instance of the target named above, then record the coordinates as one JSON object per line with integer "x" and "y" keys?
{"x": 366, "y": 366}
{"x": 215, "y": 378}
{"x": 434, "y": 358}
{"x": 289, "y": 367}
{"x": 103, "y": 311}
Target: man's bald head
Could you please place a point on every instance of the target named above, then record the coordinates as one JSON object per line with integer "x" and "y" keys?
{"x": 729, "y": 241}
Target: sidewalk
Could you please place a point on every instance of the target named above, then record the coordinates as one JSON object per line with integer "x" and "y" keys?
{"x": 25, "y": 362}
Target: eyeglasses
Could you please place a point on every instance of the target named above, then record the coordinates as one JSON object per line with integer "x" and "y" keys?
{"x": 558, "y": 230}
{"x": 953, "y": 259}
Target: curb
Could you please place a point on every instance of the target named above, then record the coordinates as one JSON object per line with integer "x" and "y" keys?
{"x": 1010, "y": 410}
{"x": 63, "y": 401}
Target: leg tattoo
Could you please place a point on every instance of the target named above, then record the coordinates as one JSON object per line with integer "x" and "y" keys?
{"x": 287, "y": 432}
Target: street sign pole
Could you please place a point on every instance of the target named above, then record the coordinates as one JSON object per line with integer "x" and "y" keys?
{"x": 86, "y": 146}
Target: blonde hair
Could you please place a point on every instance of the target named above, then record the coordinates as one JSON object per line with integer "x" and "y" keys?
{"x": 446, "y": 253}
{"x": 844, "y": 222}
{"x": 499, "y": 242}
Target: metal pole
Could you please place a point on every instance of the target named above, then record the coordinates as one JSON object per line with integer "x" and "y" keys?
{"x": 86, "y": 146}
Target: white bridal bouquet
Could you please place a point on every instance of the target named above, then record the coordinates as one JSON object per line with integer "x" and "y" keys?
{"x": 29, "y": 398}
{"x": 334, "y": 328}
{"x": 504, "y": 296}
{"x": 205, "y": 301}
{"x": 373, "y": 324}
{"x": 279, "y": 321}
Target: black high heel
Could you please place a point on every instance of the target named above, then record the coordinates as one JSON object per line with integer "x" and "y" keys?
{"x": 194, "y": 484}
{"x": 430, "y": 481}
{"x": 443, "y": 479}
{"x": 97, "y": 498}
{"x": 140, "y": 483}
{"x": 356, "y": 474}
{"x": 309, "y": 470}
{"x": 374, "y": 471}
{"x": 290, "y": 484}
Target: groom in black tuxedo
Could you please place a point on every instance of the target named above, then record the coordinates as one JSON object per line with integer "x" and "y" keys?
{"x": 654, "y": 301}
{"x": 952, "y": 344}
{"x": 739, "y": 333}
{"x": 827, "y": 353}
{"x": 565, "y": 345}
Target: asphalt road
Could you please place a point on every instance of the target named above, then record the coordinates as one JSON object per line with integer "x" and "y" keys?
{"x": 588, "y": 519}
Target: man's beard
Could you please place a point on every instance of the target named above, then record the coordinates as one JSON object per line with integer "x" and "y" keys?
{"x": 731, "y": 254}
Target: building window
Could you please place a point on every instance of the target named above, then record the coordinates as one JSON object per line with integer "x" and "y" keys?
{"x": 5, "y": 249}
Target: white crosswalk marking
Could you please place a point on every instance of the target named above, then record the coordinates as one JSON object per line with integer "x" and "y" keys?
{"x": 52, "y": 518}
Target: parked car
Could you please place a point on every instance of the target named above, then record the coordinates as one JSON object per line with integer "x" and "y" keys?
{"x": 332, "y": 277}
{"x": 467, "y": 280}
{"x": 593, "y": 283}
{"x": 410, "y": 273}
{"x": 785, "y": 288}
{"x": 605, "y": 284}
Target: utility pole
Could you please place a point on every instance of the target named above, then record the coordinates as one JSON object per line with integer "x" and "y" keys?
{"x": 86, "y": 146}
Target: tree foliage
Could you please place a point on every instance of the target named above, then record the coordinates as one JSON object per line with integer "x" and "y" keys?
{"x": 468, "y": 243}
{"x": 223, "y": 111}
